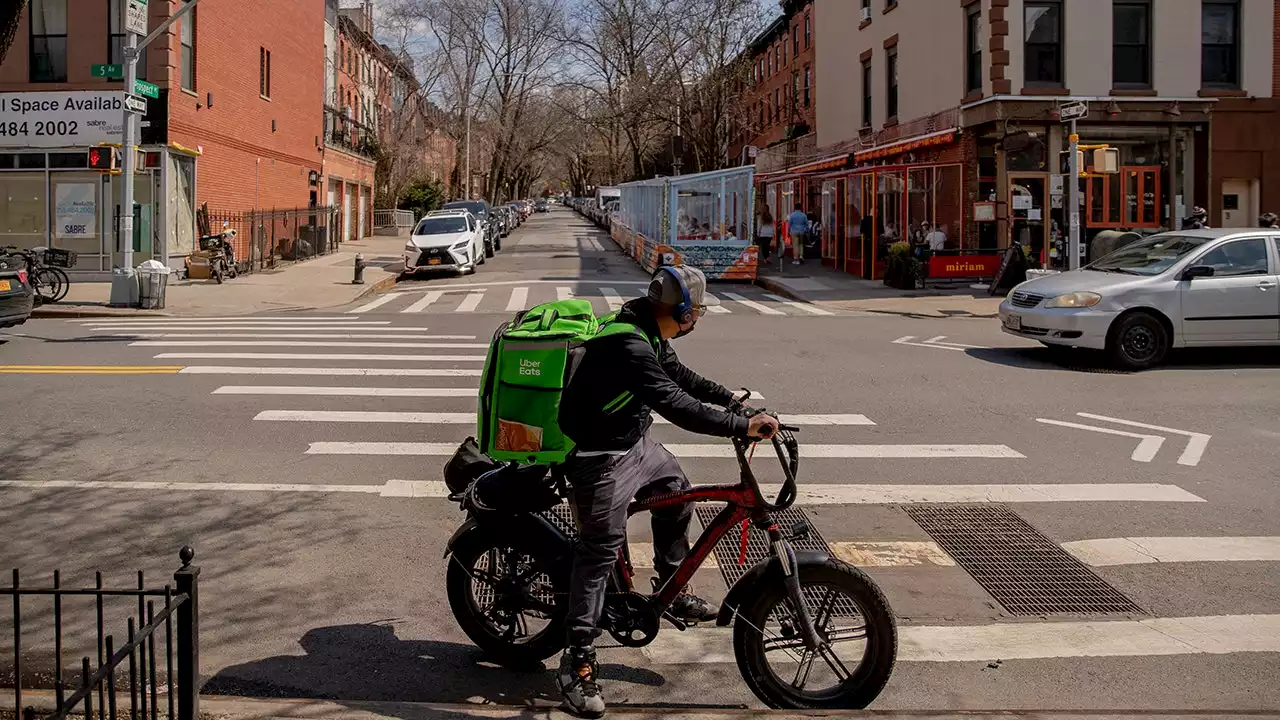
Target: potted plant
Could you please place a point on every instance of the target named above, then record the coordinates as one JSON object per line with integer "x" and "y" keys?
{"x": 902, "y": 270}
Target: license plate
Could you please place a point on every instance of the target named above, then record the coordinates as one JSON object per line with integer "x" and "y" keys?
{"x": 4, "y": 285}
{"x": 433, "y": 261}
{"x": 1013, "y": 322}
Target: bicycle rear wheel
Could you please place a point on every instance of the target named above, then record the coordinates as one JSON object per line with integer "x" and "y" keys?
{"x": 64, "y": 282}
{"x": 848, "y": 612}
{"x": 48, "y": 285}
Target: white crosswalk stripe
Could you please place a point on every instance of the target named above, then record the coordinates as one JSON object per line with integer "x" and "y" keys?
{"x": 375, "y": 304}
{"x": 318, "y": 356}
{"x": 762, "y": 309}
{"x": 427, "y": 299}
{"x": 519, "y": 299}
{"x": 471, "y": 302}
{"x": 802, "y": 307}
{"x": 564, "y": 293}
{"x": 611, "y": 297}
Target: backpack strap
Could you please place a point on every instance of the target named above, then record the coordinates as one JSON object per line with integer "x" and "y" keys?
{"x": 609, "y": 327}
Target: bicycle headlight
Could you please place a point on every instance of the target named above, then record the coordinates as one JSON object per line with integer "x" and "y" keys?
{"x": 1074, "y": 300}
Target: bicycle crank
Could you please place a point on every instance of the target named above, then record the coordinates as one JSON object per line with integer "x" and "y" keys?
{"x": 630, "y": 619}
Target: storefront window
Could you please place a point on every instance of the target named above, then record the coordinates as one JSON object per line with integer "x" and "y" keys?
{"x": 22, "y": 209}
{"x": 889, "y": 190}
{"x": 948, "y": 208}
{"x": 920, "y": 201}
{"x": 76, "y": 215}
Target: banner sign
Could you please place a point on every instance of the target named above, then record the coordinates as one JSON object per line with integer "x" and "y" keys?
{"x": 963, "y": 266}
{"x": 75, "y": 210}
{"x": 61, "y": 119}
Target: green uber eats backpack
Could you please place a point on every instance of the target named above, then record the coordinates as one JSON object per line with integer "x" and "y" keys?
{"x": 530, "y": 361}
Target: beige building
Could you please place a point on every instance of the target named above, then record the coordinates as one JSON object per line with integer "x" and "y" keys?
{"x": 946, "y": 112}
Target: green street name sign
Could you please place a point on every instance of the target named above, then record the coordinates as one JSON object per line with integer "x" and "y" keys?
{"x": 114, "y": 72}
{"x": 142, "y": 87}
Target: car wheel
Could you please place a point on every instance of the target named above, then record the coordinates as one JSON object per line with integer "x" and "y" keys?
{"x": 488, "y": 249}
{"x": 1137, "y": 341}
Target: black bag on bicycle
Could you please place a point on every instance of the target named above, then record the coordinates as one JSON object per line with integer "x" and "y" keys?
{"x": 491, "y": 486}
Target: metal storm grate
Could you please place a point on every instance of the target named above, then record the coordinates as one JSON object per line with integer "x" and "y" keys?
{"x": 729, "y": 549}
{"x": 561, "y": 516}
{"x": 1023, "y": 570}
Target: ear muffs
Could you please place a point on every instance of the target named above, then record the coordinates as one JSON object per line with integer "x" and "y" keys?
{"x": 683, "y": 312}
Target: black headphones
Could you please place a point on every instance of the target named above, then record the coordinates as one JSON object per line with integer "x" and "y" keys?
{"x": 684, "y": 311}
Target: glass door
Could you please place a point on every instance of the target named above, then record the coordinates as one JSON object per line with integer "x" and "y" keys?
{"x": 76, "y": 221}
{"x": 1028, "y": 220}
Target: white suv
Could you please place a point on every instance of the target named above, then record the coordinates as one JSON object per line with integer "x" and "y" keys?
{"x": 445, "y": 240}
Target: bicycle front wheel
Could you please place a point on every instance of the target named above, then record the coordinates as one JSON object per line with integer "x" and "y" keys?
{"x": 851, "y": 616}
{"x": 48, "y": 285}
{"x": 64, "y": 282}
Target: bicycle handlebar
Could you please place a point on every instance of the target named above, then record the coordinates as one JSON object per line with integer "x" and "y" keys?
{"x": 784, "y": 444}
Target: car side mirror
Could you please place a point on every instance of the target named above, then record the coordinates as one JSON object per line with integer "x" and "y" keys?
{"x": 1196, "y": 271}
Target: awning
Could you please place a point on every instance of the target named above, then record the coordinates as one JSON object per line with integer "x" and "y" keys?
{"x": 933, "y": 139}
{"x": 833, "y": 162}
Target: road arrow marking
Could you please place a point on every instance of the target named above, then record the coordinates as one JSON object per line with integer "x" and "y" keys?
{"x": 1190, "y": 455}
{"x": 1145, "y": 452}
{"x": 937, "y": 344}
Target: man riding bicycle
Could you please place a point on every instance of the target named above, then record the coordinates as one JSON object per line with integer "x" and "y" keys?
{"x": 605, "y": 410}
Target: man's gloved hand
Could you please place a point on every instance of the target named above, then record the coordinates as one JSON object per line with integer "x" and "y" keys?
{"x": 762, "y": 426}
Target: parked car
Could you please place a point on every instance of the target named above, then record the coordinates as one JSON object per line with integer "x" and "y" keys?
{"x": 541, "y": 206}
{"x": 484, "y": 213}
{"x": 1187, "y": 288}
{"x": 445, "y": 240}
{"x": 17, "y": 297}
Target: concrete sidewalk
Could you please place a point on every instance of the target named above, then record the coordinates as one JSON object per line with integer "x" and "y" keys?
{"x": 320, "y": 282}
{"x": 833, "y": 289}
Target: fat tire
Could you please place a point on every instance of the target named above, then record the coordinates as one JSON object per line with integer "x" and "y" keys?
{"x": 458, "y": 589}
{"x": 1115, "y": 350}
{"x": 870, "y": 677}
{"x": 64, "y": 282}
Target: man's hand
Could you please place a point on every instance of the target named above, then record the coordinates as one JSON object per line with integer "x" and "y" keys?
{"x": 762, "y": 426}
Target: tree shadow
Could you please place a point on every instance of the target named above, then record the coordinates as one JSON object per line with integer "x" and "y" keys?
{"x": 367, "y": 662}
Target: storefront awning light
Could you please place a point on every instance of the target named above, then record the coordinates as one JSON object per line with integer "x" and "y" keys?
{"x": 942, "y": 137}
{"x": 828, "y": 163}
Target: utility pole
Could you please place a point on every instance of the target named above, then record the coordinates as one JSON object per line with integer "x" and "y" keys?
{"x": 1073, "y": 201}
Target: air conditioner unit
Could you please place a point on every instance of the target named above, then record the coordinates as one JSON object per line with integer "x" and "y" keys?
{"x": 866, "y": 14}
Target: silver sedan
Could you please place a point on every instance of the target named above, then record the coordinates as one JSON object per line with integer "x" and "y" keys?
{"x": 1188, "y": 288}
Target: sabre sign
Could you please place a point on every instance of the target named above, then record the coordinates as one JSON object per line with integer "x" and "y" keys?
{"x": 60, "y": 119}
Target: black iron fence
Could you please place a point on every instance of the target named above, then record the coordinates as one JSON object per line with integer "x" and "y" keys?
{"x": 156, "y": 639}
{"x": 267, "y": 237}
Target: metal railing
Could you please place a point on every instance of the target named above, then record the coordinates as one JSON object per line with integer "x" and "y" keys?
{"x": 266, "y": 237}
{"x": 392, "y": 222}
{"x": 140, "y": 651}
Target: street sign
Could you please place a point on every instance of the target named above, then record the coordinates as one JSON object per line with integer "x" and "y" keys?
{"x": 135, "y": 104}
{"x": 135, "y": 17}
{"x": 142, "y": 87}
{"x": 115, "y": 72}
{"x": 1073, "y": 111}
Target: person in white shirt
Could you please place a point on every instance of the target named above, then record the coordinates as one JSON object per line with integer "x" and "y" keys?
{"x": 935, "y": 239}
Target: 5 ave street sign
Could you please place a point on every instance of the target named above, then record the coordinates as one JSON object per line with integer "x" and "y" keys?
{"x": 142, "y": 87}
{"x": 135, "y": 104}
{"x": 114, "y": 72}
{"x": 1073, "y": 111}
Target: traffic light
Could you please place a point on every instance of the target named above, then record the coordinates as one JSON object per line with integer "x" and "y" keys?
{"x": 102, "y": 158}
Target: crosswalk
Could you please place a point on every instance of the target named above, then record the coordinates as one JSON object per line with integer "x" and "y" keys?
{"x": 471, "y": 298}
{"x": 351, "y": 387}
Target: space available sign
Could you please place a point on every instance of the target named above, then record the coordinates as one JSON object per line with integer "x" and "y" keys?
{"x": 75, "y": 209}
{"x": 61, "y": 119}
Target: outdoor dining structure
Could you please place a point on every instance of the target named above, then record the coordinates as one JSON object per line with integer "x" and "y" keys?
{"x": 704, "y": 220}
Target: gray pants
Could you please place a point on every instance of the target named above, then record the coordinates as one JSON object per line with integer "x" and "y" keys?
{"x": 603, "y": 486}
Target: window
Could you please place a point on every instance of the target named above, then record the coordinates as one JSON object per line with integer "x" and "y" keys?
{"x": 769, "y": 62}
{"x": 1241, "y": 257}
{"x": 866, "y": 93}
{"x": 808, "y": 34}
{"x": 973, "y": 49}
{"x": 1219, "y": 44}
{"x": 795, "y": 87}
{"x": 1131, "y": 38}
{"x": 777, "y": 103}
{"x": 808, "y": 85}
{"x": 48, "y": 56}
{"x": 891, "y": 83}
{"x": 264, "y": 72}
{"x": 1043, "y": 43}
{"x": 188, "y": 32}
{"x": 795, "y": 41}
{"x": 115, "y": 40}
{"x": 782, "y": 51}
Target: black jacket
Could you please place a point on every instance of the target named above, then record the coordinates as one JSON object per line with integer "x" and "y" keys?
{"x": 613, "y": 365}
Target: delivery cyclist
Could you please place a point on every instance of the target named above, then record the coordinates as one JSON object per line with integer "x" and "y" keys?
{"x": 605, "y": 410}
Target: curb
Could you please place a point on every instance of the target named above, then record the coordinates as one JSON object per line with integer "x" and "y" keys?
{"x": 773, "y": 286}
{"x": 45, "y": 312}
{"x": 379, "y": 286}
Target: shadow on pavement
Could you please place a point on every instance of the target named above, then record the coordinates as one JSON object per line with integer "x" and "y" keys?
{"x": 1094, "y": 361}
{"x": 367, "y": 662}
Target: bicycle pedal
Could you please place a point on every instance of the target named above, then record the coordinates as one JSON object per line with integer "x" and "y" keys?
{"x": 679, "y": 624}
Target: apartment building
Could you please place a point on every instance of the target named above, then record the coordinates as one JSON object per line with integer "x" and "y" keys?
{"x": 779, "y": 100}
{"x": 234, "y": 124}
{"x": 946, "y": 113}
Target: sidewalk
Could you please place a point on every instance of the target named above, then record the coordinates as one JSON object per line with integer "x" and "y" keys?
{"x": 833, "y": 289}
{"x": 320, "y": 282}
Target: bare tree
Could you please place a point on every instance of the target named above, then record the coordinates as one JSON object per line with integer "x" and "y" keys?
{"x": 10, "y": 14}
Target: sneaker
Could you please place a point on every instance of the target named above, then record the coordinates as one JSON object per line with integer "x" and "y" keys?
{"x": 577, "y": 680}
{"x": 693, "y": 609}
{"x": 795, "y": 262}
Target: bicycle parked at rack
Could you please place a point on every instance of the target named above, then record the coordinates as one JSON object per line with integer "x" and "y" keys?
{"x": 44, "y": 266}
{"x": 508, "y": 584}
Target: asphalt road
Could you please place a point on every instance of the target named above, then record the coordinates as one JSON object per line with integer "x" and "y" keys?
{"x": 322, "y": 577}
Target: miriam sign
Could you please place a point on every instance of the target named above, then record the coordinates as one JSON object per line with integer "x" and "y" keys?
{"x": 61, "y": 119}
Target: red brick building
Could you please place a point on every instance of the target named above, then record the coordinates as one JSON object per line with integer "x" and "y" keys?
{"x": 780, "y": 100}
{"x": 237, "y": 124}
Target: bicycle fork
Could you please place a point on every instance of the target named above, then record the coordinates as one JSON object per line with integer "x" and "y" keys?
{"x": 786, "y": 556}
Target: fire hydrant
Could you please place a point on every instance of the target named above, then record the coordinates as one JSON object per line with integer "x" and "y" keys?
{"x": 360, "y": 265}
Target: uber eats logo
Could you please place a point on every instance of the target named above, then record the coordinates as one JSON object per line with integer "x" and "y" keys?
{"x": 530, "y": 367}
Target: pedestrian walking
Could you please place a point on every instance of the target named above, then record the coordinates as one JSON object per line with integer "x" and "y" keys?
{"x": 797, "y": 228}
{"x": 764, "y": 237}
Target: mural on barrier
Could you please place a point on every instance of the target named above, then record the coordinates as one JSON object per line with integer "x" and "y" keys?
{"x": 717, "y": 260}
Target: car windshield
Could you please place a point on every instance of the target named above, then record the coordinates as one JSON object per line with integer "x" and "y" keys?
{"x": 476, "y": 207}
{"x": 441, "y": 225}
{"x": 1149, "y": 256}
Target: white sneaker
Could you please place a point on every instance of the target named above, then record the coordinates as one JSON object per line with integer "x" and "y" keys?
{"x": 576, "y": 678}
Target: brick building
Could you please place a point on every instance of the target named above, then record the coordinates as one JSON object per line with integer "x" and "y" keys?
{"x": 349, "y": 106}
{"x": 779, "y": 102}
{"x": 237, "y": 123}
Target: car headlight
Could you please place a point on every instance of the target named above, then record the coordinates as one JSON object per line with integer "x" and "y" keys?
{"x": 410, "y": 247}
{"x": 1074, "y": 300}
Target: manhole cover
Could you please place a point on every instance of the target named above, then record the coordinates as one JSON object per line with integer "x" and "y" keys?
{"x": 1023, "y": 570}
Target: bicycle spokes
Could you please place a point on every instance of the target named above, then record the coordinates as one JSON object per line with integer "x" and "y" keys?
{"x": 842, "y": 632}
